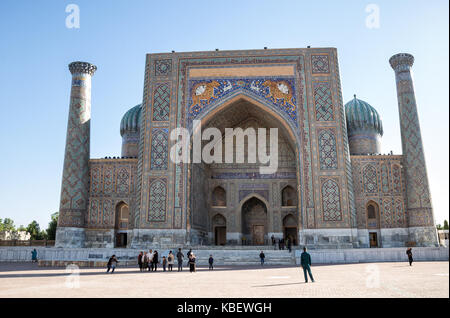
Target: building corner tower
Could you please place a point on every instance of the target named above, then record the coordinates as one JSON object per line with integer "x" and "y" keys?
{"x": 422, "y": 230}
{"x": 75, "y": 179}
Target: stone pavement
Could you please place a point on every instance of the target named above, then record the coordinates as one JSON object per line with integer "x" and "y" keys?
{"x": 423, "y": 279}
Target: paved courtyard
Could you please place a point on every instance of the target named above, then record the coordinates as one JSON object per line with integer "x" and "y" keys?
{"x": 423, "y": 279}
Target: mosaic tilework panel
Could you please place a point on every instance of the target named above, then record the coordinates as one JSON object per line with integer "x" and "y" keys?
{"x": 159, "y": 149}
{"x": 396, "y": 178}
{"x": 327, "y": 149}
{"x": 163, "y": 67}
{"x": 387, "y": 213}
{"x": 323, "y": 102}
{"x": 123, "y": 181}
{"x": 385, "y": 178}
{"x": 161, "y": 103}
{"x": 278, "y": 91}
{"x": 157, "y": 200}
{"x": 331, "y": 202}
{"x": 370, "y": 179}
{"x": 320, "y": 64}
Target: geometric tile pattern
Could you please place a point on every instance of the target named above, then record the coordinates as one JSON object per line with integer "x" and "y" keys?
{"x": 163, "y": 67}
{"x": 123, "y": 181}
{"x": 161, "y": 103}
{"x": 323, "y": 102}
{"x": 157, "y": 201}
{"x": 370, "y": 179}
{"x": 396, "y": 178}
{"x": 327, "y": 150}
{"x": 320, "y": 64}
{"x": 159, "y": 149}
{"x": 74, "y": 189}
{"x": 385, "y": 178}
{"x": 331, "y": 202}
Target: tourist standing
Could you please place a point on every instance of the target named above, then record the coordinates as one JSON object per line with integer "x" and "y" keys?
{"x": 410, "y": 256}
{"x": 189, "y": 255}
{"x": 289, "y": 245}
{"x": 273, "y": 239}
{"x": 140, "y": 256}
{"x": 164, "y": 263}
{"x": 112, "y": 263}
{"x": 211, "y": 262}
{"x": 192, "y": 262}
{"x": 150, "y": 260}
{"x": 155, "y": 261}
{"x": 144, "y": 261}
{"x": 180, "y": 260}
{"x": 262, "y": 258}
{"x": 170, "y": 260}
{"x": 34, "y": 256}
{"x": 305, "y": 260}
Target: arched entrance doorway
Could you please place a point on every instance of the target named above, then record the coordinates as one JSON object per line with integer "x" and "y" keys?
{"x": 373, "y": 223}
{"x": 219, "y": 186}
{"x": 290, "y": 229}
{"x": 220, "y": 229}
{"x": 254, "y": 221}
{"x": 121, "y": 224}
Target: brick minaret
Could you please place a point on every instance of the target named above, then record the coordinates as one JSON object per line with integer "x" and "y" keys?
{"x": 75, "y": 179}
{"x": 419, "y": 210}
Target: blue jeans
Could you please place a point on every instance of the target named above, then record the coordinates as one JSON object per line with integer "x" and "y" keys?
{"x": 306, "y": 268}
{"x": 262, "y": 261}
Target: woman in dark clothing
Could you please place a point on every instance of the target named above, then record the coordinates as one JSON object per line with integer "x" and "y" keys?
{"x": 112, "y": 263}
{"x": 410, "y": 257}
{"x": 155, "y": 260}
{"x": 140, "y": 260}
{"x": 192, "y": 262}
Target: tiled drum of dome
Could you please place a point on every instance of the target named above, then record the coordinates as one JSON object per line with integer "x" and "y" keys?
{"x": 331, "y": 203}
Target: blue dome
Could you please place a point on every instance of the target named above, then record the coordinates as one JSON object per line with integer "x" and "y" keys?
{"x": 361, "y": 116}
{"x": 131, "y": 120}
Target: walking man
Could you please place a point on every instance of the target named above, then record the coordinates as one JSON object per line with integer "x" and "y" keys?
{"x": 262, "y": 257}
{"x": 410, "y": 256}
{"x": 180, "y": 260}
{"x": 305, "y": 260}
{"x": 140, "y": 262}
{"x": 155, "y": 261}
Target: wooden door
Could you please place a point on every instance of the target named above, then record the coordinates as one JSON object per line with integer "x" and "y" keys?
{"x": 221, "y": 235}
{"x": 258, "y": 234}
{"x": 373, "y": 239}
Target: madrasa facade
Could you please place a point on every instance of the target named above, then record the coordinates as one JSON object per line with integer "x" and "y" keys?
{"x": 332, "y": 188}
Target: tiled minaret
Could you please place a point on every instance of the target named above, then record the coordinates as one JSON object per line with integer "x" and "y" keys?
{"x": 75, "y": 180}
{"x": 422, "y": 229}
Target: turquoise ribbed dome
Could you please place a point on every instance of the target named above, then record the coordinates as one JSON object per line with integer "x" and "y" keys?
{"x": 131, "y": 120}
{"x": 361, "y": 116}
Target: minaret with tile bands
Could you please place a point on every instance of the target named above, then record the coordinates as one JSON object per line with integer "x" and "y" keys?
{"x": 75, "y": 179}
{"x": 419, "y": 210}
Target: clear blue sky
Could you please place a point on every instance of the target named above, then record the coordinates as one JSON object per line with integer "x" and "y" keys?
{"x": 36, "y": 48}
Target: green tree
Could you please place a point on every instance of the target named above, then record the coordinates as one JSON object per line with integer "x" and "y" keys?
{"x": 445, "y": 225}
{"x": 438, "y": 227}
{"x": 51, "y": 230}
{"x": 35, "y": 231}
{"x": 7, "y": 225}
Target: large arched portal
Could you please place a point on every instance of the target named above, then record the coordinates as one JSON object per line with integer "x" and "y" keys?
{"x": 218, "y": 186}
{"x": 254, "y": 221}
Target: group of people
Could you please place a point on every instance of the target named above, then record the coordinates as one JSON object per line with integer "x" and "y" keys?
{"x": 148, "y": 261}
{"x": 282, "y": 243}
